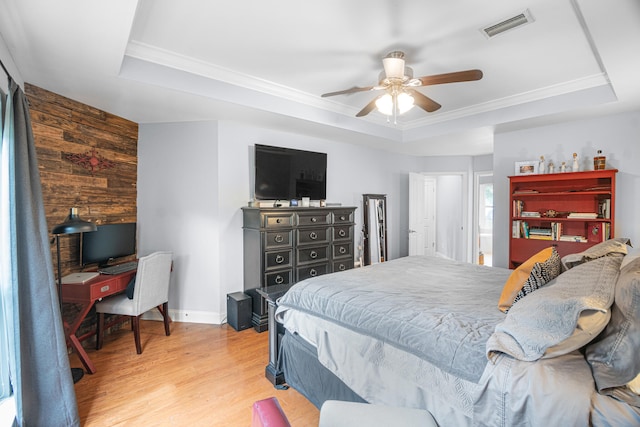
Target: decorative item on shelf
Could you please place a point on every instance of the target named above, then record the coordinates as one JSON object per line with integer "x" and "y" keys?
{"x": 526, "y": 168}
{"x": 542, "y": 166}
{"x": 599, "y": 161}
{"x": 576, "y": 164}
{"x": 550, "y": 213}
{"x": 563, "y": 167}
{"x": 552, "y": 168}
{"x": 91, "y": 161}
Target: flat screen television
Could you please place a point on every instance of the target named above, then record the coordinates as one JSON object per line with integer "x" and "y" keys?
{"x": 109, "y": 242}
{"x": 286, "y": 173}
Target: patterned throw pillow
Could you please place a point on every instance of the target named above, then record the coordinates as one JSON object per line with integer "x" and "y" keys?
{"x": 534, "y": 273}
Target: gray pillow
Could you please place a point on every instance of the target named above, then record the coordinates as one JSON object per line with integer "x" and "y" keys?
{"x": 611, "y": 246}
{"x": 614, "y": 355}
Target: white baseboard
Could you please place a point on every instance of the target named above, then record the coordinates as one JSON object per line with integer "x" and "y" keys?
{"x": 188, "y": 316}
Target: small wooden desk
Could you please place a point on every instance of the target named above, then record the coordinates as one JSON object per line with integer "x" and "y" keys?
{"x": 86, "y": 294}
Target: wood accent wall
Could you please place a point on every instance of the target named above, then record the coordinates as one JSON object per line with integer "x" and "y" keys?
{"x": 61, "y": 127}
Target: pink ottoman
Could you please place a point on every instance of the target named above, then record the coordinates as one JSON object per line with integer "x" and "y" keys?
{"x": 268, "y": 413}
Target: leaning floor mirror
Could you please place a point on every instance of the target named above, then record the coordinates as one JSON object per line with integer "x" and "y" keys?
{"x": 375, "y": 228}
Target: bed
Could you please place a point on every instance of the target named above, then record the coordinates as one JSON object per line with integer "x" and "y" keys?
{"x": 426, "y": 332}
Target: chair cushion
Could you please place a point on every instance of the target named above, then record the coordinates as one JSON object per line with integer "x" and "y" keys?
{"x": 117, "y": 304}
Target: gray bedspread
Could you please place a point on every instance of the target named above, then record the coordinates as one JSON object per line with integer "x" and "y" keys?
{"x": 424, "y": 316}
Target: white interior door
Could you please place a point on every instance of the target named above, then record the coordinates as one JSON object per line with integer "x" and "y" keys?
{"x": 422, "y": 215}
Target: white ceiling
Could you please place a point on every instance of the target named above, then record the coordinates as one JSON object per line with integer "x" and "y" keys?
{"x": 267, "y": 62}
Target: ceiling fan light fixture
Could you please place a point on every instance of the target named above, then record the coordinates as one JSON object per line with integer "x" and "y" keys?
{"x": 403, "y": 103}
{"x": 393, "y": 67}
{"x": 384, "y": 104}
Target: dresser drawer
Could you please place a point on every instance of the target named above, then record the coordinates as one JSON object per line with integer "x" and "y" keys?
{"x": 342, "y": 217}
{"x": 346, "y": 264}
{"x": 314, "y": 218}
{"x": 314, "y": 254}
{"x": 308, "y": 236}
{"x": 341, "y": 250}
{"x": 312, "y": 271}
{"x": 275, "y": 239}
{"x": 344, "y": 232}
{"x": 277, "y": 259}
{"x": 278, "y": 220}
{"x": 283, "y": 277}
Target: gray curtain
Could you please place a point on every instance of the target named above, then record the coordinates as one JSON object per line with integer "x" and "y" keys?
{"x": 41, "y": 375}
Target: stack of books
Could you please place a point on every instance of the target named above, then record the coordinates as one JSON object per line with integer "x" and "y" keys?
{"x": 583, "y": 215}
{"x": 540, "y": 233}
{"x": 570, "y": 238}
{"x": 527, "y": 214}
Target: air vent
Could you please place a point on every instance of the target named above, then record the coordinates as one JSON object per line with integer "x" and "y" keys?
{"x": 508, "y": 24}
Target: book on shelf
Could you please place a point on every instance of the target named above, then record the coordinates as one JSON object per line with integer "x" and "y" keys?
{"x": 556, "y": 230}
{"x": 570, "y": 238}
{"x": 605, "y": 208}
{"x": 527, "y": 214}
{"x": 540, "y": 237}
{"x": 540, "y": 231}
{"x": 519, "y": 229}
{"x": 583, "y": 215}
{"x": 517, "y": 207}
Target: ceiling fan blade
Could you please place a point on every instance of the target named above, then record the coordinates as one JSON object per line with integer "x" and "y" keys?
{"x": 346, "y": 91}
{"x": 460, "y": 76}
{"x": 367, "y": 108}
{"x": 423, "y": 101}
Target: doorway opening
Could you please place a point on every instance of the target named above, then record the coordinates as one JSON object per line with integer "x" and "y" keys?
{"x": 483, "y": 218}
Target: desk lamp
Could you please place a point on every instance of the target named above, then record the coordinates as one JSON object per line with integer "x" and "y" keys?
{"x": 71, "y": 225}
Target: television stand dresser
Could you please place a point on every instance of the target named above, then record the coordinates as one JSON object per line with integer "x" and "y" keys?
{"x": 288, "y": 244}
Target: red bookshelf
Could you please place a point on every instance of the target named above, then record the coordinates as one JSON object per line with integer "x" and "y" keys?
{"x": 572, "y": 211}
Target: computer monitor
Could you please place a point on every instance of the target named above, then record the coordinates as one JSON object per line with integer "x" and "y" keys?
{"x": 109, "y": 242}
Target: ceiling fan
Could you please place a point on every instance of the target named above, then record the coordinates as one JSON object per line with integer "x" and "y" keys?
{"x": 399, "y": 85}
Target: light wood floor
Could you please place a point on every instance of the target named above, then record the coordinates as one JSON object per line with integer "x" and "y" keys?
{"x": 200, "y": 375}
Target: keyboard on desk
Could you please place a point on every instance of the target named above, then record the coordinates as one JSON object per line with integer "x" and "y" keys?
{"x": 119, "y": 268}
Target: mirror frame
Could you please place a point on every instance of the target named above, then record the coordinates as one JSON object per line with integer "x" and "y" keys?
{"x": 380, "y": 228}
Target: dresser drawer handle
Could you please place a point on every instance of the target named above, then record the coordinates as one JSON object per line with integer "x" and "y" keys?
{"x": 313, "y": 255}
{"x": 342, "y": 233}
{"x": 343, "y": 250}
{"x": 314, "y": 219}
{"x": 313, "y": 272}
{"x": 313, "y": 235}
{"x": 343, "y": 218}
{"x": 279, "y": 238}
{"x": 279, "y": 259}
{"x": 278, "y": 220}
{"x": 279, "y": 280}
{"x": 342, "y": 267}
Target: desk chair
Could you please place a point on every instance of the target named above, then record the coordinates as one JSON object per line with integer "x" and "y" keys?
{"x": 151, "y": 290}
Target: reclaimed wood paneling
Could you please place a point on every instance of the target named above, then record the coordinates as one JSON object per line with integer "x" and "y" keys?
{"x": 62, "y": 126}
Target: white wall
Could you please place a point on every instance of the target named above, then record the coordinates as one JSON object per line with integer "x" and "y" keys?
{"x": 619, "y": 138}
{"x": 195, "y": 177}
{"x": 178, "y": 188}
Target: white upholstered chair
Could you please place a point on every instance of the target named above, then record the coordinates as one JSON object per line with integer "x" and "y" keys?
{"x": 346, "y": 414}
{"x": 151, "y": 290}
